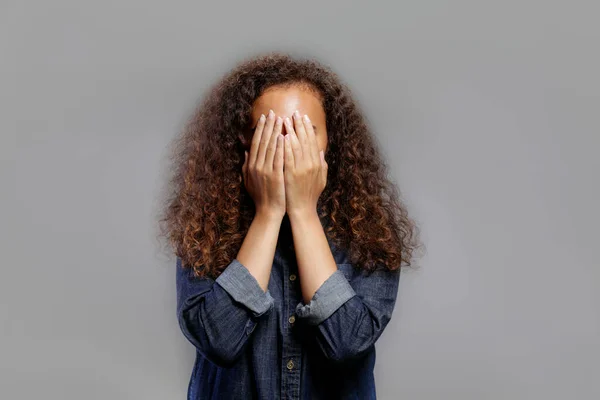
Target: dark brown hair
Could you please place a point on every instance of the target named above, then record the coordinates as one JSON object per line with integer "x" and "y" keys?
{"x": 208, "y": 210}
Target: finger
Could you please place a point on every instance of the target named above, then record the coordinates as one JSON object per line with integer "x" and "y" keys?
{"x": 324, "y": 164}
{"x": 273, "y": 143}
{"x": 289, "y": 155}
{"x": 295, "y": 144}
{"x": 256, "y": 140}
{"x": 264, "y": 139}
{"x": 279, "y": 154}
{"x": 324, "y": 167}
{"x": 301, "y": 134}
{"x": 312, "y": 140}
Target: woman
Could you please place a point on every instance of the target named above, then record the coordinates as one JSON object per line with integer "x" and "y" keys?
{"x": 288, "y": 236}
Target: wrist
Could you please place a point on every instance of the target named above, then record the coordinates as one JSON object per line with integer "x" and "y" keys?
{"x": 269, "y": 216}
{"x": 303, "y": 214}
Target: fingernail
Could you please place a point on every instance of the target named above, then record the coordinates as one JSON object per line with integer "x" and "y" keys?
{"x": 262, "y": 117}
{"x": 271, "y": 113}
{"x": 306, "y": 118}
{"x": 287, "y": 120}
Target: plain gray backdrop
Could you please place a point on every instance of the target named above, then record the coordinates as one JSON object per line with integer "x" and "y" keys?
{"x": 489, "y": 116}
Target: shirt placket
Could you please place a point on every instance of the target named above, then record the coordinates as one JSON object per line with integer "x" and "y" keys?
{"x": 292, "y": 351}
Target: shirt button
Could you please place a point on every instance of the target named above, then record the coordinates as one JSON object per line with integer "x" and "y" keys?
{"x": 290, "y": 365}
{"x": 292, "y": 277}
{"x": 292, "y": 319}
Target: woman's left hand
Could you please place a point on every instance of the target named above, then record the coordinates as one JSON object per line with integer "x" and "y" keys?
{"x": 305, "y": 168}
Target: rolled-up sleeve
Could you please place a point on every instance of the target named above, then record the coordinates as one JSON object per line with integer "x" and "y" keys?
{"x": 335, "y": 291}
{"x": 349, "y": 314}
{"x": 244, "y": 288}
{"x": 218, "y": 316}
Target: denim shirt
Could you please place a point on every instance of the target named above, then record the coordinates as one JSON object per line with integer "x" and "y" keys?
{"x": 252, "y": 344}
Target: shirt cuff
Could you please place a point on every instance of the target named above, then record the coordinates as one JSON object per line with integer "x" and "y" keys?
{"x": 244, "y": 288}
{"x": 330, "y": 296}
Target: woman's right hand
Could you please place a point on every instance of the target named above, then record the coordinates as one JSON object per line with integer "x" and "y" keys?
{"x": 263, "y": 167}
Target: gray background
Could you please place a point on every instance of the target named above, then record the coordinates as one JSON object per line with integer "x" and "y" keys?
{"x": 488, "y": 113}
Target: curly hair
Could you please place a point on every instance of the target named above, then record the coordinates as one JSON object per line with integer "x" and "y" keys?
{"x": 208, "y": 211}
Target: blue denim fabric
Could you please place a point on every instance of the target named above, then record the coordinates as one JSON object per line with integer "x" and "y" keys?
{"x": 247, "y": 347}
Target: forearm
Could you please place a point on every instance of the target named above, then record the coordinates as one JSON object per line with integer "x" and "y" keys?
{"x": 313, "y": 254}
{"x": 258, "y": 249}
{"x": 218, "y": 325}
{"x": 218, "y": 316}
{"x": 349, "y": 330}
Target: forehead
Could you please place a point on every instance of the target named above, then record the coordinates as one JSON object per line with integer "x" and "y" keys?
{"x": 284, "y": 100}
